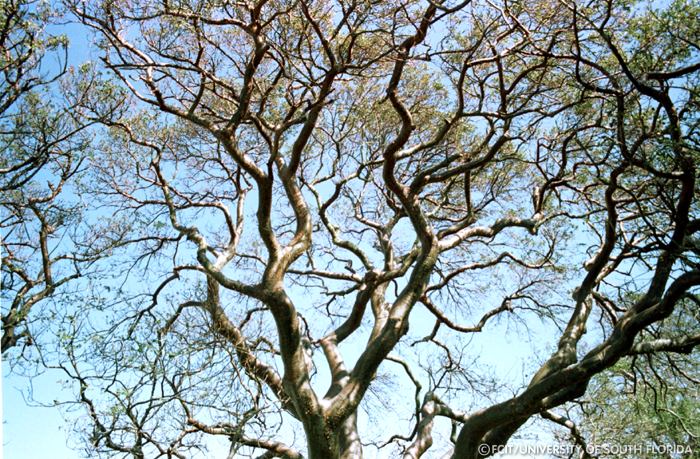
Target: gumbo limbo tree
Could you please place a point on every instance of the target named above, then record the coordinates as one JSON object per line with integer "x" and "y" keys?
{"x": 43, "y": 143}
{"x": 325, "y": 208}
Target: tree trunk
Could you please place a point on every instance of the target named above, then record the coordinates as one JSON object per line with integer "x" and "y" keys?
{"x": 342, "y": 442}
{"x": 349, "y": 439}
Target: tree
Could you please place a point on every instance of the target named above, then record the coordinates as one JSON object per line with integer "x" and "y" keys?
{"x": 39, "y": 143}
{"x": 45, "y": 246}
{"x": 651, "y": 403}
{"x": 648, "y": 400}
{"x": 313, "y": 182}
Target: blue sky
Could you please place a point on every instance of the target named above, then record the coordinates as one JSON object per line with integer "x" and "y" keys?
{"x": 32, "y": 432}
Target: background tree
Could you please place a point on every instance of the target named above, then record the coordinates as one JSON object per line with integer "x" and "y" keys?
{"x": 647, "y": 399}
{"x": 325, "y": 193}
{"x": 39, "y": 145}
{"x": 44, "y": 143}
{"x": 654, "y": 407}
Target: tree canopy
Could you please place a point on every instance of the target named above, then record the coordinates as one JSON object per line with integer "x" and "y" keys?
{"x": 302, "y": 226}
